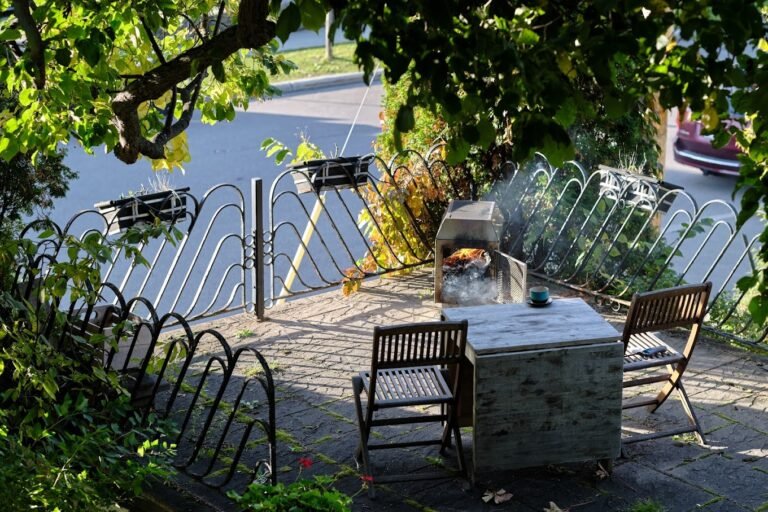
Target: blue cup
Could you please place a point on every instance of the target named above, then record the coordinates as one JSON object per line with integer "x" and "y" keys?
{"x": 539, "y": 293}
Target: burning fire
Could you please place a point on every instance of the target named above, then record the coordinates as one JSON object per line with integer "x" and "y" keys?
{"x": 464, "y": 257}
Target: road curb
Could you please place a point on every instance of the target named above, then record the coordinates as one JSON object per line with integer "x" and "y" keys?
{"x": 320, "y": 82}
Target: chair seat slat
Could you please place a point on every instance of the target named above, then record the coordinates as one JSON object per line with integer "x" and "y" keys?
{"x": 409, "y": 386}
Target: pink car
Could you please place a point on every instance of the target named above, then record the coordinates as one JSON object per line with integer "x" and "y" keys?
{"x": 694, "y": 148}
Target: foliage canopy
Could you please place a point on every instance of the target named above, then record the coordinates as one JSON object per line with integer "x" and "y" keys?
{"x": 535, "y": 68}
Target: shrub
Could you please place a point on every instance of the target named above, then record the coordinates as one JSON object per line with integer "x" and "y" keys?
{"x": 69, "y": 436}
{"x": 28, "y": 183}
{"x": 316, "y": 495}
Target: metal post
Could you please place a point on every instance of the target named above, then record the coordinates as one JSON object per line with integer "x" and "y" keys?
{"x": 257, "y": 226}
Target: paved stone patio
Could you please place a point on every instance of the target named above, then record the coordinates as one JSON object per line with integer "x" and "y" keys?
{"x": 315, "y": 344}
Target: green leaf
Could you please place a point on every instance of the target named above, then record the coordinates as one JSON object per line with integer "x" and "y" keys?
{"x": 487, "y": 133}
{"x": 758, "y": 308}
{"x": 405, "y": 120}
{"x": 8, "y": 148}
{"x": 312, "y": 14}
{"x": 63, "y": 56}
{"x": 566, "y": 114}
{"x": 89, "y": 50}
{"x": 549, "y": 138}
{"x": 27, "y": 96}
{"x": 50, "y": 387}
{"x": 471, "y": 104}
{"x": 528, "y": 36}
{"x": 218, "y": 72}
{"x": 281, "y": 155}
{"x": 452, "y": 104}
{"x": 458, "y": 149}
{"x": 615, "y": 107}
{"x": 10, "y": 34}
{"x": 470, "y": 134}
{"x": 746, "y": 282}
{"x": 288, "y": 22}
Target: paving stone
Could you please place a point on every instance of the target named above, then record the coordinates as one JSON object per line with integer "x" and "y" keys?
{"x": 721, "y": 505}
{"x": 732, "y": 478}
{"x": 745, "y": 411}
{"x": 740, "y": 441}
{"x": 635, "y": 482}
{"x": 317, "y": 343}
{"x": 667, "y": 453}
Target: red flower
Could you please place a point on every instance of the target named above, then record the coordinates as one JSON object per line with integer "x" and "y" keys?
{"x": 305, "y": 462}
{"x": 367, "y": 479}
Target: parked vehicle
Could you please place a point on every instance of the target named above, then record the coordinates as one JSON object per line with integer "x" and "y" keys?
{"x": 692, "y": 147}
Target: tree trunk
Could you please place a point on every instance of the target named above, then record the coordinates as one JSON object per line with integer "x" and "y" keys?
{"x": 328, "y": 40}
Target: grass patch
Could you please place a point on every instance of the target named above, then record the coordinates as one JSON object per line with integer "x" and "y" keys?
{"x": 311, "y": 62}
{"x": 647, "y": 506}
{"x": 245, "y": 333}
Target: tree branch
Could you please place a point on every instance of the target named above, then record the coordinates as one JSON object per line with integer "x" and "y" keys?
{"x": 152, "y": 40}
{"x": 188, "y": 109}
{"x": 35, "y": 44}
{"x": 253, "y": 30}
{"x": 194, "y": 27}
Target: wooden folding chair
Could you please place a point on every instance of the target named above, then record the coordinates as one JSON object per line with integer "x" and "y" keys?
{"x": 409, "y": 368}
{"x": 682, "y": 306}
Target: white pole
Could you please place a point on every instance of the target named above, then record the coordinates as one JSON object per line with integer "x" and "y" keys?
{"x": 309, "y": 230}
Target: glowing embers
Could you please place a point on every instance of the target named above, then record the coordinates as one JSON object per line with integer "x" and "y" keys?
{"x": 469, "y": 277}
{"x": 465, "y": 246}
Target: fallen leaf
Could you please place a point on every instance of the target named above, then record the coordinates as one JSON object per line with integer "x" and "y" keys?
{"x": 553, "y": 508}
{"x": 497, "y": 497}
{"x": 501, "y": 496}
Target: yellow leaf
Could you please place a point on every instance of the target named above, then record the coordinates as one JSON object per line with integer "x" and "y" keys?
{"x": 565, "y": 65}
{"x": 762, "y": 45}
{"x": 709, "y": 118}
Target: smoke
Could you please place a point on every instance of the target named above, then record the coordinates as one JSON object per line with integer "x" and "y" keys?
{"x": 469, "y": 289}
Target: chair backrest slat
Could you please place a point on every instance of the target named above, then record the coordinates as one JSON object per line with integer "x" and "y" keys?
{"x": 665, "y": 309}
{"x": 418, "y": 344}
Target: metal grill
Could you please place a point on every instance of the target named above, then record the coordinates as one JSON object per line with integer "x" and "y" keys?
{"x": 466, "y": 225}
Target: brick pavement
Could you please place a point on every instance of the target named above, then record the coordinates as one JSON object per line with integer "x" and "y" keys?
{"x": 315, "y": 344}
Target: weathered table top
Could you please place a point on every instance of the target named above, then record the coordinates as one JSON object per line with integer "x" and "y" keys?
{"x": 499, "y": 328}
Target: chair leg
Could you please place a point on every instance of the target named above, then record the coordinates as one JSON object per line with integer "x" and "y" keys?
{"x": 452, "y": 428}
{"x": 460, "y": 449}
{"x": 364, "y": 429}
{"x": 675, "y": 373}
{"x": 692, "y": 418}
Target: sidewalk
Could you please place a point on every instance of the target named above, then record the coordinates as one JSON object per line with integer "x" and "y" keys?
{"x": 309, "y": 39}
{"x": 316, "y": 344}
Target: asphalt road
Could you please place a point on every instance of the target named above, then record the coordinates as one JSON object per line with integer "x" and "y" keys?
{"x": 229, "y": 152}
{"x": 703, "y": 189}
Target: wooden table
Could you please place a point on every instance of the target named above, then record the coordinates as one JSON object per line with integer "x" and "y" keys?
{"x": 546, "y": 384}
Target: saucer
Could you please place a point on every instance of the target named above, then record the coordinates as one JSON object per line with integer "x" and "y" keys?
{"x": 537, "y": 304}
